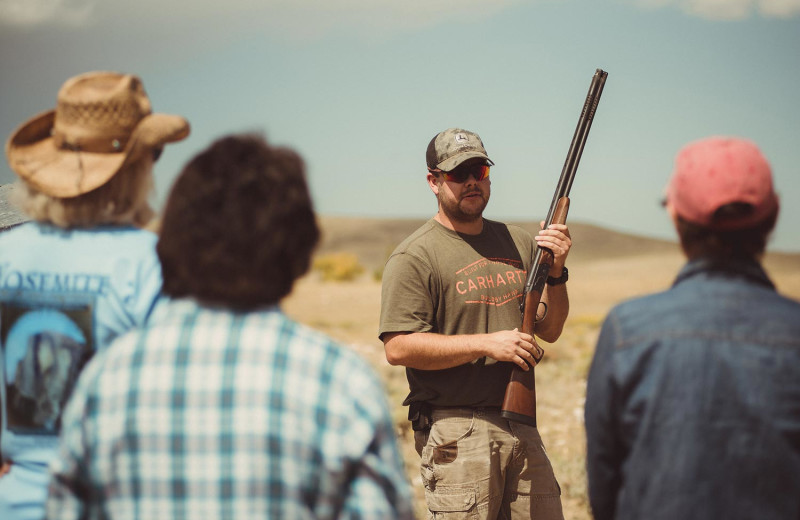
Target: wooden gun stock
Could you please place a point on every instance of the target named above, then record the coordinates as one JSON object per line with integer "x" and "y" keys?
{"x": 519, "y": 402}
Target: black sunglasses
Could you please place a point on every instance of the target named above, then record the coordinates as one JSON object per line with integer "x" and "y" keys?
{"x": 462, "y": 173}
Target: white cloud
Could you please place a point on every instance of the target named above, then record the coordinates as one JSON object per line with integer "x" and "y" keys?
{"x": 729, "y": 9}
{"x": 719, "y": 9}
{"x": 28, "y": 13}
{"x": 780, "y": 8}
{"x": 304, "y": 18}
{"x": 309, "y": 19}
{"x": 313, "y": 18}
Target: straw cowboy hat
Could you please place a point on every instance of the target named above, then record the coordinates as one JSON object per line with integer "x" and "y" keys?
{"x": 101, "y": 120}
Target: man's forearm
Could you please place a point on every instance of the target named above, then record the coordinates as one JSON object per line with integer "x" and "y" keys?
{"x": 557, "y": 300}
{"x": 430, "y": 351}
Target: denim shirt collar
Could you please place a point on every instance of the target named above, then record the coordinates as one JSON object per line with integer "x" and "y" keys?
{"x": 749, "y": 270}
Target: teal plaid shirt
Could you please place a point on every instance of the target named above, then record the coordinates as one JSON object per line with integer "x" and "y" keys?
{"x": 207, "y": 413}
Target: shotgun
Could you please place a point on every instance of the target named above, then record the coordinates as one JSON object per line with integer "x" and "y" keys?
{"x": 519, "y": 403}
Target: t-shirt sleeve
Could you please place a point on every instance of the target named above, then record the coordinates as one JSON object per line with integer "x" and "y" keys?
{"x": 525, "y": 244}
{"x": 149, "y": 284}
{"x": 137, "y": 282}
{"x": 407, "y": 296}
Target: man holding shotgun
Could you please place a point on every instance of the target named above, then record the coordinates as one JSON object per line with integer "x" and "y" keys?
{"x": 450, "y": 313}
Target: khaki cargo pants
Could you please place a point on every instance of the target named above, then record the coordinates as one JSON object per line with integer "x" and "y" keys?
{"x": 478, "y": 465}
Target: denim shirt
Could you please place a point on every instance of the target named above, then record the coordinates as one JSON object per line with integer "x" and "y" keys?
{"x": 693, "y": 401}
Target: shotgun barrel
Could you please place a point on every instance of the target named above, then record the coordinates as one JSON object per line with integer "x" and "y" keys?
{"x": 519, "y": 403}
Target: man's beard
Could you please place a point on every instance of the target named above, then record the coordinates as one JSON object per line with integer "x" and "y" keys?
{"x": 457, "y": 211}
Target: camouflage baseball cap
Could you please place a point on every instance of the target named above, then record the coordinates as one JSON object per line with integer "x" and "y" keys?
{"x": 452, "y": 147}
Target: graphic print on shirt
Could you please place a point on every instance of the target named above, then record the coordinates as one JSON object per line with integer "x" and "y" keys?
{"x": 491, "y": 281}
{"x": 44, "y": 347}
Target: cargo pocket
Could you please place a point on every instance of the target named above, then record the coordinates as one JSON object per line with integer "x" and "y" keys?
{"x": 451, "y": 503}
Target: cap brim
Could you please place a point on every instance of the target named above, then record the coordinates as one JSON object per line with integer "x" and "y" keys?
{"x": 453, "y": 162}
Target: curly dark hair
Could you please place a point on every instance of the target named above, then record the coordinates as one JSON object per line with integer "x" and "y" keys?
{"x": 239, "y": 225}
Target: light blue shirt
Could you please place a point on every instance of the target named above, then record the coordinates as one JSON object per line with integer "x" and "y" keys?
{"x": 64, "y": 294}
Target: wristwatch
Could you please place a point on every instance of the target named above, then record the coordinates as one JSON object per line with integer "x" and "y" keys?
{"x": 561, "y": 279}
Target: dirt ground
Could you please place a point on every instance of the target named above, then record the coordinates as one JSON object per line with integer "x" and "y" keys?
{"x": 600, "y": 276}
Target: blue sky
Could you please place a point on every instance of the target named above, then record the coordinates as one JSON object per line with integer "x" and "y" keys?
{"x": 359, "y": 87}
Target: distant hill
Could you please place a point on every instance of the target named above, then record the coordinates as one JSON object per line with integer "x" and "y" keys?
{"x": 373, "y": 239}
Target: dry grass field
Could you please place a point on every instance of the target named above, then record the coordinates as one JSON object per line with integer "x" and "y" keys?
{"x": 605, "y": 268}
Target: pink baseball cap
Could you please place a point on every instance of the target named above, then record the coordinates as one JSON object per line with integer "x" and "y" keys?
{"x": 716, "y": 171}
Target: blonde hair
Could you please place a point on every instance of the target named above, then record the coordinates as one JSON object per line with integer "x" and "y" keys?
{"x": 123, "y": 200}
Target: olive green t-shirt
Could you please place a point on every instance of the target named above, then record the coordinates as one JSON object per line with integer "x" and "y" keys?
{"x": 450, "y": 283}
